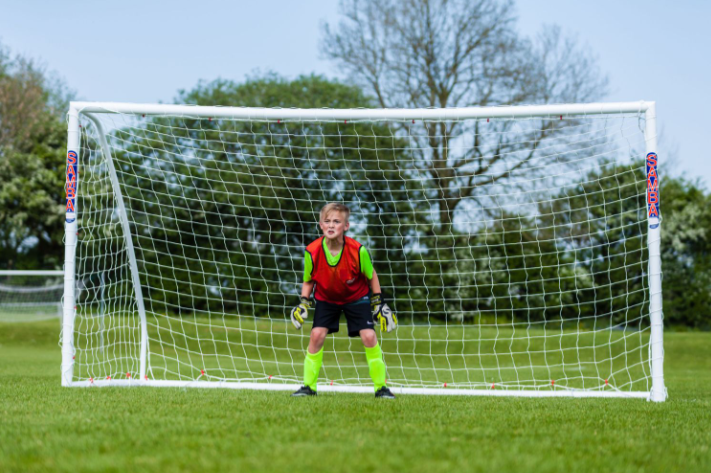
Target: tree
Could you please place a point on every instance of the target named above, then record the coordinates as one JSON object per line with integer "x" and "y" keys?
{"x": 456, "y": 53}
{"x": 219, "y": 206}
{"x": 32, "y": 147}
{"x": 599, "y": 228}
{"x": 608, "y": 212}
{"x": 686, "y": 253}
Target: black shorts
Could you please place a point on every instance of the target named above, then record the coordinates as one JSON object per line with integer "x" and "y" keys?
{"x": 358, "y": 316}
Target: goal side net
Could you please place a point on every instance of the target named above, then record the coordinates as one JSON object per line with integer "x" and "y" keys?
{"x": 28, "y": 296}
{"x": 518, "y": 246}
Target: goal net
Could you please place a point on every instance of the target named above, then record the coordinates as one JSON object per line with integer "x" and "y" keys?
{"x": 518, "y": 246}
{"x": 27, "y": 296}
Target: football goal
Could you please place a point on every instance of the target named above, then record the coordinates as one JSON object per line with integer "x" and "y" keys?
{"x": 518, "y": 246}
{"x": 27, "y": 296}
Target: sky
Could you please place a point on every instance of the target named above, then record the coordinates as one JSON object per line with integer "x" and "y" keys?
{"x": 145, "y": 51}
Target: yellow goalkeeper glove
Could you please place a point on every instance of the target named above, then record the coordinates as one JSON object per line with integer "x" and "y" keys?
{"x": 382, "y": 314}
{"x": 300, "y": 312}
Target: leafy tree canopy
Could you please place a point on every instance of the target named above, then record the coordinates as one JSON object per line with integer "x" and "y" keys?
{"x": 32, "y": 146}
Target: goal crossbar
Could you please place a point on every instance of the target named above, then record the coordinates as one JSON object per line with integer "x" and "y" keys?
{"x": 252, "y": 113}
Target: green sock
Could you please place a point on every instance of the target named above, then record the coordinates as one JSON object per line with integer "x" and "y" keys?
{"x": 376, "y": 365}
{"x": 312, "y": 366}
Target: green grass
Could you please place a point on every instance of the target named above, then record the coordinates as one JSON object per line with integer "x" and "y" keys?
{"x": 269, "y": 350}
{"x": 44, "y": 427}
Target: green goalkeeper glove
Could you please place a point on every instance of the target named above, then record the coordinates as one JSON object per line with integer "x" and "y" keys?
{"x": 382, "y": 314}
{"x": 300, "y": 312}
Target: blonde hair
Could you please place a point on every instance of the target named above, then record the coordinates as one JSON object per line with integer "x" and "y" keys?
{"x": 334, "y": 207}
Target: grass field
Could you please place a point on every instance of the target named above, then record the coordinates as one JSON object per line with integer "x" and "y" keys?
{"x": 271, "y": 351}
{"x": 44, "y": 427}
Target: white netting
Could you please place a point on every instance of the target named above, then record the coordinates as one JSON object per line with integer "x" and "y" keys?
{"x": 28, "y": 297}
{"x": 513, "y": 251}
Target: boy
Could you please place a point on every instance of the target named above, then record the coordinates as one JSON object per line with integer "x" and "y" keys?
{"x": 340, "y": 269}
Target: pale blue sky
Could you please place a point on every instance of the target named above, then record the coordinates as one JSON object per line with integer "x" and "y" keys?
{"x": 144, "y": 51}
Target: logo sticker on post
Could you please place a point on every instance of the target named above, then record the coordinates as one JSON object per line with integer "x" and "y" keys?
{"x": 71, "y": 185}
{"x": 652, "y": 191}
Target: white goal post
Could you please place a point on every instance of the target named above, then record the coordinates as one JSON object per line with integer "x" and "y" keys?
{"x": 519, "y": 246}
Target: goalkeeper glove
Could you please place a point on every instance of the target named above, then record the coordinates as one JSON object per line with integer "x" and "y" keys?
{"x": 382, "y": 314}
{"x": 300, "y": 312}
